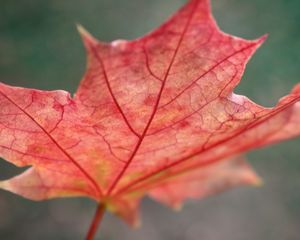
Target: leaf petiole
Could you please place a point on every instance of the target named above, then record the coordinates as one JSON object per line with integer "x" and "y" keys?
{"x": 96, "y": 221}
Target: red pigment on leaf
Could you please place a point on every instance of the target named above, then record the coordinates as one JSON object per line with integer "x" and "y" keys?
{"x": 156, "y": 115}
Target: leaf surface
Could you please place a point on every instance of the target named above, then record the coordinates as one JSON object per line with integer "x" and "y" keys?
{"x": 156, "y": 115}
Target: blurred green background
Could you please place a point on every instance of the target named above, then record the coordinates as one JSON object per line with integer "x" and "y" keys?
{"x": 40, "y": 48}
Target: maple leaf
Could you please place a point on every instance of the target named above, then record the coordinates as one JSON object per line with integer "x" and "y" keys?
{"x": 156, "y": 115}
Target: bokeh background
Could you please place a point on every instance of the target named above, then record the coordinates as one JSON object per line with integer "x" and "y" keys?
{"x": 40, "y": 48}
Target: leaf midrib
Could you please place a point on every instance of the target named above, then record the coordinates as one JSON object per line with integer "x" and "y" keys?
{"x": 155, "y": 107}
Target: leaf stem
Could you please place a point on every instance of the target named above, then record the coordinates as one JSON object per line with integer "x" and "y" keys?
{"x": 96, "y": 221}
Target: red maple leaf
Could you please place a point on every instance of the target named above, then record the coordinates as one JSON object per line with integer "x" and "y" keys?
{"x": 154, "y": 116}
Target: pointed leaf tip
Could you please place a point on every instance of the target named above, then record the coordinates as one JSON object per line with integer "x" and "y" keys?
{"x": 296, "y": 89}
{"x": 262, "y": 39}
{"x": 137, "y": 223}
{"x": 253, "y": 179}
{"x": 4, "y": 185}
{"x": 177, "y": 207}
{"x": 258, "y": 183}
{"x": 85, "y": 35}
